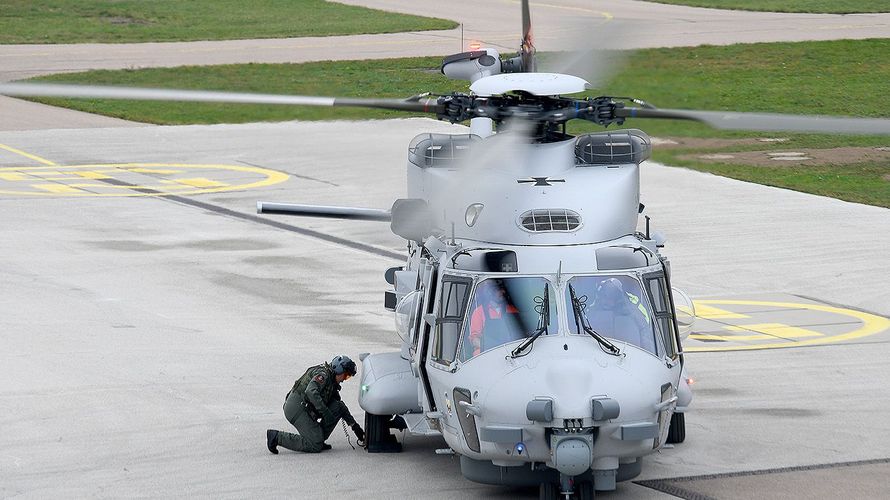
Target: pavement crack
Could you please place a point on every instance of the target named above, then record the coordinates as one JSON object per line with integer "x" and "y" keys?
{"x": 298, "y": 176}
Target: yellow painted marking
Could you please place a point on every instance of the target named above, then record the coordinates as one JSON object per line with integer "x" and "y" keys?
{"x": 128, "y": 186}
{"x": 154, "y": 171}
{"x": 708, "y": 336}
{"x": 871, "y": 324}
{"x": 200, "y": 182}
{"x": 774, "y": 330}
{"x": 26, "y": 155}
{"x": 266, "y": 178}
{"x": 767, "y": 331}
{"x": 44, "y": 173}
{"x": 709, "y": 312}
{"x": 56, "y": 188}
{"x": 91, "y": 174}
{"x": 14, "y": 176}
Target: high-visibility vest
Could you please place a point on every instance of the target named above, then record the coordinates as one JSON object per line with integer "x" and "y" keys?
{"x": 636, "y": 301}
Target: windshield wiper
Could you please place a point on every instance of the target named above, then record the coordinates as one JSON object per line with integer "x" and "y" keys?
{"x": 543, "y": 323}
{"x": 582, "y": 322}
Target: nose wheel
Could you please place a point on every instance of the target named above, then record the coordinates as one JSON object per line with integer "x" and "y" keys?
{"x": 584, "y": 490}
{"x": 551, "y": 491}
{"x": 548, "y": 491}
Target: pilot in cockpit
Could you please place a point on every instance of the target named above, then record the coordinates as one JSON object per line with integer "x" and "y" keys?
{"x": 618, "y": 314}
{"x": 495, "y": 320}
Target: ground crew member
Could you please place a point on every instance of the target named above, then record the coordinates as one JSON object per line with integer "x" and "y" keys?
{"x": 314, "y": 407}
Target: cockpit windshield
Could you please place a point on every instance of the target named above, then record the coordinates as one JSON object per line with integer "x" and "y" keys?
{"x": 615, "y": 307}
{"x": 504, "y": 310}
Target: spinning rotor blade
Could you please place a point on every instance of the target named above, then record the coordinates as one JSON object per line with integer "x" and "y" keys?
{"x": 769, "y": 122}
{"x": 427, "y": 105}
{"x": 527, "y": 50}
{"x": 590, "y": 59}
{"x": 501, "y": 151}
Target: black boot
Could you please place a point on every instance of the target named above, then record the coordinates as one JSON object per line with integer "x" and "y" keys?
{"x": 272, "y": 441}
{"x": 325, "y": 446}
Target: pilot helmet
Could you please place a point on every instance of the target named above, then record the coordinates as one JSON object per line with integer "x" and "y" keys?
{"x": 343, "y": 364}
{"x": 610, "y": 293}
{"x": 496, "y": 289}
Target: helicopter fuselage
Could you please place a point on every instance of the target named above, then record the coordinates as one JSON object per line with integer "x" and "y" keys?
{"x": 540, "y": 337}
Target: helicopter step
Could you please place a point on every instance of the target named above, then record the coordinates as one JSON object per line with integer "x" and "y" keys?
{"x": 419, "y": 425}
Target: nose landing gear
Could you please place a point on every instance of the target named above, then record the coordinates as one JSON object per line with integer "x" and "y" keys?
{"x": 567, "y": 489}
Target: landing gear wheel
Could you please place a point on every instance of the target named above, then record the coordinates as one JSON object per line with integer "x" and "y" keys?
{"x": 548, "y": 491}
{"x": 585, "y": 490}
{"x": 378, "y": 439}
{"x": 677, "y": 430}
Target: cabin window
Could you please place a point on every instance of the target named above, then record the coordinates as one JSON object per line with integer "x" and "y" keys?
{"x": 506, "y": 310}
{"x": 664, "y": 317}
{"x": 615, "y": 307}
{"x": 452, "y": 305}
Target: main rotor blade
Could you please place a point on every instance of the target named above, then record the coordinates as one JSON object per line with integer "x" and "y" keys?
{"x": 527, "y": 50}
{"x": 428, "y": 105}
{"x": 767, "y": 122}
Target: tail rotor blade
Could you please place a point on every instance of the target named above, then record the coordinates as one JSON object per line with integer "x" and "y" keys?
{"x": 527, "y": 50}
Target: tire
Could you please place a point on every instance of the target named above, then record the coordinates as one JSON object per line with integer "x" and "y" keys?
{"x": 585, "y": 490}
{"x": 374, "y": 428}
{"x": 548, "y": 491}
{"x": 378, "y": 438}
{"x": 677, "y": 430}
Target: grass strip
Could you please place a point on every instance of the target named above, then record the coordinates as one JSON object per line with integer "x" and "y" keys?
{"x": 814, "y": 6}
{"x": 104, "y": 21}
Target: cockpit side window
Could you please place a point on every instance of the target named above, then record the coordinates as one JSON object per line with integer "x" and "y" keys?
{"x": 505, "y": 310}
{"x": 452, "y": 307}
{"x": 615, "y": 307}
{"x": 657, "y": 288}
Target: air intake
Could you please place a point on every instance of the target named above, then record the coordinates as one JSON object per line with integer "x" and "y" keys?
{"x": 549, "y": 220}
{"x": 439, "y": 150}
{"x": 611, "y": 148}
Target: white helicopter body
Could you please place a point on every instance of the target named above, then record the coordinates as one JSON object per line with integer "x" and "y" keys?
{"x": 563, "y": 411}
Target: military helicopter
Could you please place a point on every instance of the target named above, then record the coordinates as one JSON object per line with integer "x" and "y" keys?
{"x": 540, "y": 334}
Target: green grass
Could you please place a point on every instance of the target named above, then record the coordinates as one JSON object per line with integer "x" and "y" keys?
{"x": 818, "y": 6}
{"x": 860, "y": 183}
{"x": 832, "y": 78}
{"x": 118, "y": 21}
{"x": 376, "y": 78}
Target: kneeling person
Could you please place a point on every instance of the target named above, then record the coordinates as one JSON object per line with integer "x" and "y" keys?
{"x": 314, "y": 407}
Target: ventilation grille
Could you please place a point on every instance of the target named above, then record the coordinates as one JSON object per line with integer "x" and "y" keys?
{"x": 439, "y": 150}
{"x": 611, "y": 148}
{"x": 549, "y": 220}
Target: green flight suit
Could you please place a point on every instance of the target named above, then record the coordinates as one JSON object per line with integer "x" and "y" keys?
{"x": 314, "y": 407}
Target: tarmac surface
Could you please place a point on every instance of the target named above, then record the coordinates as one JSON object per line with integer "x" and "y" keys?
{"x": 149, "y": 340}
